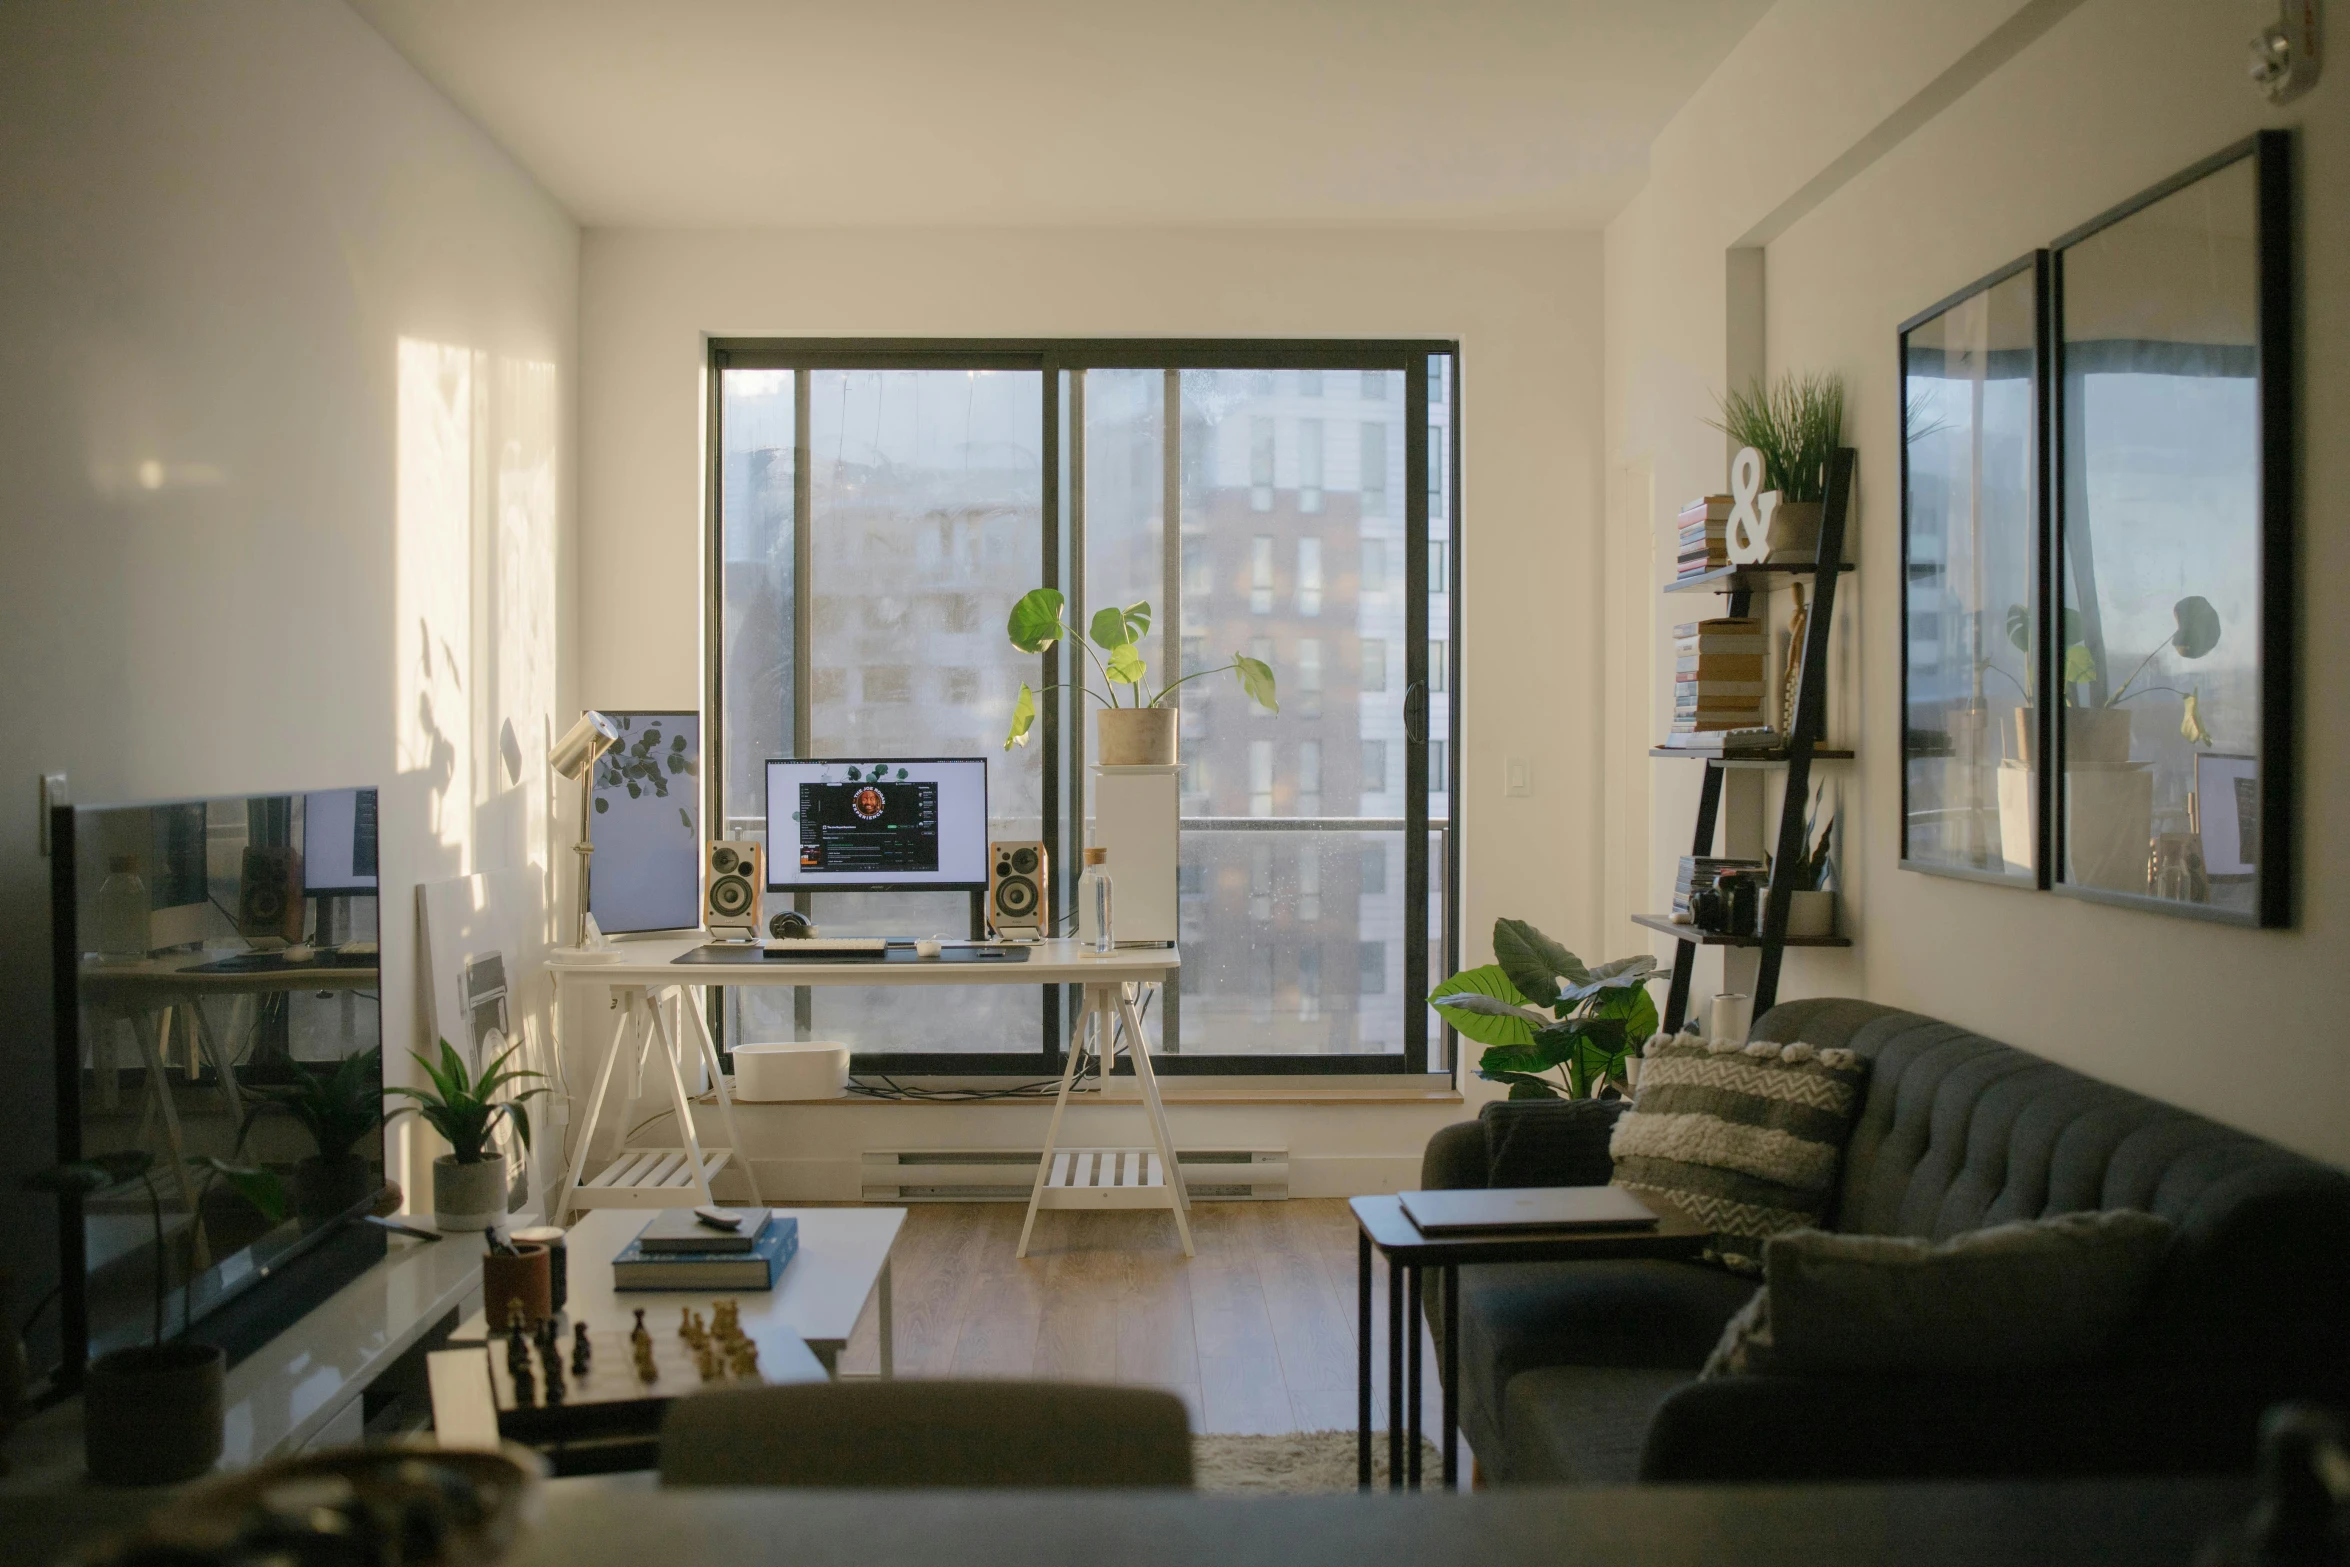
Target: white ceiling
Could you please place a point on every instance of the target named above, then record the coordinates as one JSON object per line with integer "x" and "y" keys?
{"x": 766, "y": 113}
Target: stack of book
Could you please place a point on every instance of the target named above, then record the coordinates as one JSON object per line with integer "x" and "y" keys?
{"x": 677, "y": 1251}
{"x": 1718, "y": 675}
{"x": 1705, "y": 542}
{"x": 1698, "y": 874}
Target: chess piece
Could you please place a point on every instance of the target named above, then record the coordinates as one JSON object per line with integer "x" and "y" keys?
{"x": 706, "y": 1362}
{"x": 580, "y": 1349}
{"x": 646, "y": 1371}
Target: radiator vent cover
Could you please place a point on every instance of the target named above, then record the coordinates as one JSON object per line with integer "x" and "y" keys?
{"x": 1009, "y": 1174}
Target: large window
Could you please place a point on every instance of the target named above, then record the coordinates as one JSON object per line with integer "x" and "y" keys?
{"x": 880, "y": 506}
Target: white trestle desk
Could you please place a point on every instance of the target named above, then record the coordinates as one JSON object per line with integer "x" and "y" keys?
{"x": 658, "y": 1002}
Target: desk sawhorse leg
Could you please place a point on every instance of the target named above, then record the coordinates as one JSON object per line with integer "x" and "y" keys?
{"x": 1110, "y": 1177}
{"x": 655, "y": 1177}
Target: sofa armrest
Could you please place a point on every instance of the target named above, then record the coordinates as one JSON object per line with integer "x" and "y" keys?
{"x": 1454, "y": 1158}
{"x": 2133, "y": 1420}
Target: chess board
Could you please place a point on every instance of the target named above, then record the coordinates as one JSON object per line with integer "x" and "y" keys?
{"x": 612, "y": 1399}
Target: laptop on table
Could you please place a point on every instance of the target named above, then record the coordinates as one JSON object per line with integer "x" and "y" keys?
{"x": 1473, "y": 1212}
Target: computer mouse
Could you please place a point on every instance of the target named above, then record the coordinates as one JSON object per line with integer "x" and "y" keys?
{"x": 299, "y": 952}
{"x": 926, "y": 949}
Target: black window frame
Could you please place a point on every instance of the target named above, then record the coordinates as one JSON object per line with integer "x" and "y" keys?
{"x": 1429, "y": 1046}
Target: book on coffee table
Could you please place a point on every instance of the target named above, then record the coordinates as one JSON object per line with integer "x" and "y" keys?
{"x": 1479, "y": 1211}
{"x": 677, "y": 1230}
{"x": 757, "y": 1269}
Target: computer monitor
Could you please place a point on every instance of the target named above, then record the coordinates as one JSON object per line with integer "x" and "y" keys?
{"x": 877, "y": 825}
{"x": 338, "y": 840}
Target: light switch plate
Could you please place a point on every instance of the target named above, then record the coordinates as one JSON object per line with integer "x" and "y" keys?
{"x": 1517, "y": 776}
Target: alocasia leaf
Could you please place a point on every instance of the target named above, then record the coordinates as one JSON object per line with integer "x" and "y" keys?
{"x": 2198, "y": 625}
{"x": 1256, "y": 678}
{"x": 1621, "y": 974}
{"x": 1023, "y": 716}
{"x": 1035, "y": 622}
{"x": 1534, "y": 962}
{"x": 1471, "y": 1020}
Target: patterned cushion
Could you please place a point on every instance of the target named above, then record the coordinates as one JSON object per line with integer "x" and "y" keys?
{"x": 1743, "y": 1138}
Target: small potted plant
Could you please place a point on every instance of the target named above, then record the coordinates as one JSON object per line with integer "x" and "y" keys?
{"x": 2097, "y": 734}
{"x": 337, "y": 1106}
{"x": 469, "y": 1181}
{"x": 1796, "y": 425}
{"x": 152, "y": 1414}
{"x": 1142, "y": 733}
{"x": 1595, "y": 1022}
{"x": 1811, "y": 908}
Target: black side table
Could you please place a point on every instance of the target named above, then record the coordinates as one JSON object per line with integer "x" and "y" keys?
{"x": 1385, "y": 1226}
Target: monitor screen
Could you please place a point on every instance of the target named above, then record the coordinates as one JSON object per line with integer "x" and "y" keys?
{"x": 877, "y": 826}
{"x": 648, "y": 825}
{"x": 338, "y": 840}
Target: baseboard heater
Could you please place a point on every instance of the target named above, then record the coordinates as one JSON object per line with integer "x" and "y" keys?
{"x": 1009, "y": 1174}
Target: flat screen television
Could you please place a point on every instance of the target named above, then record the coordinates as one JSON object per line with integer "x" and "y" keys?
{"x": 216, "y": 1001}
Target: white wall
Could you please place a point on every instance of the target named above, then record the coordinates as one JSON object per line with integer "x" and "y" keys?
{"x": 287, "y": 369}
{"x": 1526, "y": 309}
{"x": 2100, "y": 100}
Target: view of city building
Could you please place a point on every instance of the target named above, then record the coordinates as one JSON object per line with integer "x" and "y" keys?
{"x": 925, "y": 496}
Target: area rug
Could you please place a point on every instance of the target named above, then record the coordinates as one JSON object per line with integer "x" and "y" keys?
{"x": 1298, "y": 1463}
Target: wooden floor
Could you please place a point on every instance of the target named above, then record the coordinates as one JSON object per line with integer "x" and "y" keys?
{"x": 1256, "y": 1333}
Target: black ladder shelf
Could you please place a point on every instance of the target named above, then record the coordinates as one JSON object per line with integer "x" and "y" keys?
{"x": 1803, "y": 745}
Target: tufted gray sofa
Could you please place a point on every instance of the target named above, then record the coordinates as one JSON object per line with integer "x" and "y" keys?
{"x": 1586, "y": 1372}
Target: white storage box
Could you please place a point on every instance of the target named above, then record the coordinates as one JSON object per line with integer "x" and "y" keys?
{"x": 809, "y": 1069}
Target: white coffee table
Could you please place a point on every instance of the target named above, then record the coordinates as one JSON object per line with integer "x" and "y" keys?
{"x": 843, "y": 1262}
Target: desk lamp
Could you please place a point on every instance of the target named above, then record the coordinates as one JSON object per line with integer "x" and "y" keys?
{"x": 574, "y": 757}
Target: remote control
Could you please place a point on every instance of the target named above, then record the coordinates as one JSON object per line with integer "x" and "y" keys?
{"x": 718, "y": 1218}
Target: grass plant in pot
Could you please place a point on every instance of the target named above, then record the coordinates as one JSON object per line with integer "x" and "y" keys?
{"x": 469, "y": 1181}
{"x": 152, "y": 1414}
{"x": 1141, "y": 733}
{"x": 338, "y": 1106}
{"x": 1552, "y": 1028}
{"x": 1796, "y": 425}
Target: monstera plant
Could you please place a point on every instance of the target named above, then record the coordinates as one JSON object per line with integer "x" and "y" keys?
{"x": 1551, "y": 1027}
{"x": 2195, "y": 632}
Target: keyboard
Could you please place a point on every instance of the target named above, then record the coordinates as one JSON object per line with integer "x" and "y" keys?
{"x": 828, "y": 949}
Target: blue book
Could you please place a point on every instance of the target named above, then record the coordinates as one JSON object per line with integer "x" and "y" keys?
{"x": 757, "y": 1269}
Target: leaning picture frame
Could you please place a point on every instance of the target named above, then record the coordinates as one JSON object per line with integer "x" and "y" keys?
{"x": 1973, "y": 374}
{"x": 2174, "y": 518}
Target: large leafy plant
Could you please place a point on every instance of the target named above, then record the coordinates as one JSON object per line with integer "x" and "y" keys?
{"x": 1036, "y": 624}
{"x": 1551, "y": 1027}
{"x": 460, "y": 1106}
{"x": 100, "y": 1172}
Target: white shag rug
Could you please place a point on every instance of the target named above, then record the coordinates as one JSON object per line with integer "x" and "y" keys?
{"x": 1298, "y": 1463}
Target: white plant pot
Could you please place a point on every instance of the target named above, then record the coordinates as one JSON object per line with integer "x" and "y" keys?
{"x": 1135, "y": 736}
{"x": 468, "y": 1196}
{"x": 1811, "y": 914}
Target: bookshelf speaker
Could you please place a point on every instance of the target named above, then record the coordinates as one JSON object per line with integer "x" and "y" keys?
{"x": 732, "y": 874}
{"x": 1019, "y": 902}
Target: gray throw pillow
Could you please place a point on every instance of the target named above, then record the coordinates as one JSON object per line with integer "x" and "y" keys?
{"x": 2032, "y": 1295}
{"x": 1744, "y": 1138}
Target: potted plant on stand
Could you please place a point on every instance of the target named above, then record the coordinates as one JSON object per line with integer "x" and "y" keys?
{"x": 1797, "y": 426}
{"x": 1581, "y": 1046}
{"x": 469, "y": 1181}
{"x": 152, "y": 1414}
{"x": 1142, "y": 733}
{"x": 337, "y": 1106}
{"x": 1811, "y": 908}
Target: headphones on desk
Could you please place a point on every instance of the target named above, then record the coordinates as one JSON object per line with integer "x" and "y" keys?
{"x": 790, "y": 925}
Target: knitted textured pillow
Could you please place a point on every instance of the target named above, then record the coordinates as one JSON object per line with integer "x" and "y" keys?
{"x": 1745, "y": 1139}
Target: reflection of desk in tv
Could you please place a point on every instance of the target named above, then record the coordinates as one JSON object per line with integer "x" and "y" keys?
{"x": 869, "y": 827}
{"x": 153, "y": 995}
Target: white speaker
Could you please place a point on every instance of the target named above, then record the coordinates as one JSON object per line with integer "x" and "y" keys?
{"x": 1019, "y": 894}
{"x": 1134, "y": 817}
{"x": 733, "y": 874}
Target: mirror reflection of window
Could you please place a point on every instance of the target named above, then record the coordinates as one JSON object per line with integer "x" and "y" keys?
{"x": 2162, "y": 531}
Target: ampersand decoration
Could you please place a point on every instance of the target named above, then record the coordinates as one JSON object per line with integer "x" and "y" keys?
{"x": 1750, "y": 512}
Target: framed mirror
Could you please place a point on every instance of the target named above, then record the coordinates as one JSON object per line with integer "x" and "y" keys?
{"x": 2174, "y": 526}
{"x": 1972, "y": 529}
